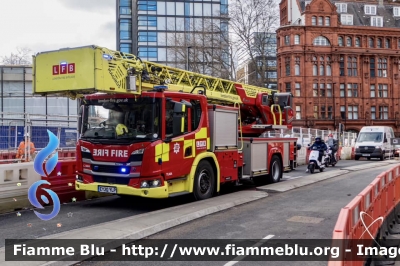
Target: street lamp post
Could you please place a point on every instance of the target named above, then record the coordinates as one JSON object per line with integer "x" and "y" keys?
{"x": 187, "y": 58}
{"x": 334, "y": 105}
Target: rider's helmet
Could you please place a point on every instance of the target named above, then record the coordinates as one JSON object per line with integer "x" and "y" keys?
{"x": 317, "y": 139}
{"x": 330, "y": 136}
{"x": 121, "y": 129}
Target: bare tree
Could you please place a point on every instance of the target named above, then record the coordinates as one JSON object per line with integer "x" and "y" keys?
{"x": 21, "y": 57}
{"x": 253, "y": 23}
{"x": 204, "y": 48}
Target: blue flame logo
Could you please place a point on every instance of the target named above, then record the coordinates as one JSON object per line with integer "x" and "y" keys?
{"x": 32, "y": 198}
{"x": 50, "y": 165}
{"x": 41, "y": 156}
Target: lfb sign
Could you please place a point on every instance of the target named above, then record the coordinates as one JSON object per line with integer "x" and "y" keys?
{"x": 64, "y": 68}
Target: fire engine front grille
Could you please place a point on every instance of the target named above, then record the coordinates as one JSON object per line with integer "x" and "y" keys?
{"x": 367, "y": 149}
{"x": 112, "y": 180}
{"x": 86, "y": 155}
{"x": 112, "y": 169}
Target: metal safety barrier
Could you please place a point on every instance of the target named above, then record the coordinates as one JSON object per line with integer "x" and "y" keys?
{"x": 307, "y": 136}
{"x": 15, "y": 126}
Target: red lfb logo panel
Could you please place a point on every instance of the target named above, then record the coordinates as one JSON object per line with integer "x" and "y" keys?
{"x": 64, "y": 69}
{"x": 71, "y": 68}
{"x": 56, "y": 70}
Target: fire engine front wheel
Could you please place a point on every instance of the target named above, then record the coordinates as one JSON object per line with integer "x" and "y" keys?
{"x": 204, "y": 181}
{"x": 275, "y": 170}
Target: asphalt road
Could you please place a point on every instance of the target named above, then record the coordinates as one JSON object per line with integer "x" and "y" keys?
{"x": 320, "y": 202}
{"x": 86, "y": 213}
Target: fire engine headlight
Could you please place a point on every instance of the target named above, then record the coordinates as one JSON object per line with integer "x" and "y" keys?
{"x": 140, "y": 151}
{"x": 150, "y": 183}
{"x": 144, "y": 184}
{"x": 156, "y": 183}
{"x": 83, "y": 149}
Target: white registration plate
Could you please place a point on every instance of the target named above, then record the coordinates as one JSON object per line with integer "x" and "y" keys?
{"x": 112, "y": 190}
{"x": 366, "y": 155}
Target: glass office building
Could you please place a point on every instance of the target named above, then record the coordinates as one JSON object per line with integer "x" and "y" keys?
{"x": 170, "y": 32}
{"x": 17, "y": 97}
{"x": 57, "y": 114}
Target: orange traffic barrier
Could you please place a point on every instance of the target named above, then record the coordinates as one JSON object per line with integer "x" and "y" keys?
{"x": 353, "y": 153}
{"x": 9, "y": 157}
{"x": 378, "y": 199}
{"x": 67, "y": 155}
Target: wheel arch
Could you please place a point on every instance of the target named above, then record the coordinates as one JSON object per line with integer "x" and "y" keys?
{"x": 280, "y": 158}
{"x": 212, "y": 159}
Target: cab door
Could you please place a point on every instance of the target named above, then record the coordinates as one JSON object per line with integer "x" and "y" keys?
{"x": 180, "y": 137}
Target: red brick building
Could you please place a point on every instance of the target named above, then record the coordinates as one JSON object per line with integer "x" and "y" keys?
{"x": 341, "y": 62}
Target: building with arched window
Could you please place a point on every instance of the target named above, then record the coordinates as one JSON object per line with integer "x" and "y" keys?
{"x": 342, "y": 66}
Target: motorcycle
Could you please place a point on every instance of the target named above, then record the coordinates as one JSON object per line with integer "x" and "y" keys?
{"x": 313, "y": 162}
{"x": 329, "y": 157}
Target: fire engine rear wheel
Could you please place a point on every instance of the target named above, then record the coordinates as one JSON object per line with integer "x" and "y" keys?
{"x": 275, "y": 170}
{"x": 204, "y": 181}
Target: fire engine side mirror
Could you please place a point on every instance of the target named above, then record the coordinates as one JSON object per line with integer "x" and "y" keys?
{"x": 83, "y": 115}
{"x": 80, "y": 119}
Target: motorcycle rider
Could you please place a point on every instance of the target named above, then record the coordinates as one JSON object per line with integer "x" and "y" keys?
{"x": 333, "y": 143}
{"x": 320, "y": 146}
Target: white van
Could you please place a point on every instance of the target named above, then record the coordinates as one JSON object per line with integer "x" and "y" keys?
{"x": 374, "y": 142}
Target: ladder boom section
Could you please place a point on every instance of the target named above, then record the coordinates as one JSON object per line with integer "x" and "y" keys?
{"x": 73, "y": 72}
{"x": 216, "y": 89}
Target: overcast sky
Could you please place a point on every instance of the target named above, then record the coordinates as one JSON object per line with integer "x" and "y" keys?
{"x": 43, "y": 25}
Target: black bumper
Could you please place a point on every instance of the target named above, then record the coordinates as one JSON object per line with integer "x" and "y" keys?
{"x": 377, "y": 153}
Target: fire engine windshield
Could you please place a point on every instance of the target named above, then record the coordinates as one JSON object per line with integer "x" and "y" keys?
{"x": 122, "y": 119}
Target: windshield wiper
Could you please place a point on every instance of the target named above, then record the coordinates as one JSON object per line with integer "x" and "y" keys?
{"x": 91, "y": 140}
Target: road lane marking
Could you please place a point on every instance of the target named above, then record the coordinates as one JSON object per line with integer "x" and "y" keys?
{"x": 239, "y": 258}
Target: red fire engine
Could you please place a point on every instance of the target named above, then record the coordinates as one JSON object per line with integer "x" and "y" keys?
{"x": 155, "y": 131}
